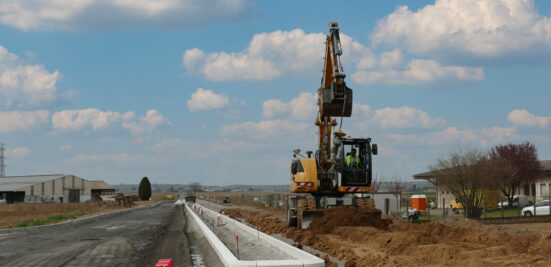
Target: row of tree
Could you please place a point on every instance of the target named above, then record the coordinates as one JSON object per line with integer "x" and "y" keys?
{"x": 144, "y": 189}
{"x": 469, "y": 174}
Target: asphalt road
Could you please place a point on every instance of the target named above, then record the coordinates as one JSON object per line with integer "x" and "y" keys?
{"x": 136, "y": 238}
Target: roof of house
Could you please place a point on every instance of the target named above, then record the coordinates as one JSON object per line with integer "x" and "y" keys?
{"x": 545, "y": 166}
{"x": 100, "y": 185}
{"x": 12, "y": 183}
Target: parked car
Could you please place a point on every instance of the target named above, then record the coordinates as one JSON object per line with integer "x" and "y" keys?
{"x": 521, "y": 200}
{"x": 541, "y": 208}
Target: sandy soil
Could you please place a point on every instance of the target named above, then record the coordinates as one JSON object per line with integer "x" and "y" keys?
{"x": 453, "y": 242}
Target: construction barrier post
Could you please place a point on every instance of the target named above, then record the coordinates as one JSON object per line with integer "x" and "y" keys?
{"x": 502, "y": 208}
{"x": 237, "y": 242}
{"x": 534, "y": 192}
{"x": 443, "y": 208}
{"x": 428, "y": 211}
{"x": 485, "y": 210}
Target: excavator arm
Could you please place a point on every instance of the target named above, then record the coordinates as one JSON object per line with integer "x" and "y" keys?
{"x": 334, "y": 97}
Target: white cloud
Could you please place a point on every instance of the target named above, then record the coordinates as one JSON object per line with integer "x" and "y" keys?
{"x": 525, "y": 118}
{"x": 152, "y": 120}
{"x": 419, "y": 71}
{"x": 111, "y": 14}
{"x": 94, "y": 119}
{"x": 265, "y": 128}
{"x": 84, "y": 119}
{"x": 405, "y": 117}
{"x": 18, "y": 152}
{"x": 168, "y": 145}
{"x": 363, "y": 117}
{"x": 27, "y": 86}
{"x": 66, "y": 147}
{"x": 302, "y": 107}
{"x": 202, "y": 150}
{"x": 206, "y": 100}
{"x": 268, "y": 56}
{"x": 453, "y": 135}
{"x": 272, "y": 55}
{"x": 484, "y": 29}
{"x": 12, "y": 121}
{"x": 121, "y": 159}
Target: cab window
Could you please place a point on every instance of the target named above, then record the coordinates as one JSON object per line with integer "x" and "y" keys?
{"x": 360, "y": 156}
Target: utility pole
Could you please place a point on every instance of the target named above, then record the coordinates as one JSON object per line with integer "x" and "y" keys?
{"x": 2, "y": 160}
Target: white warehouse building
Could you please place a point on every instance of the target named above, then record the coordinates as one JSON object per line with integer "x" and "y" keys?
{"x": 60, "y": 188}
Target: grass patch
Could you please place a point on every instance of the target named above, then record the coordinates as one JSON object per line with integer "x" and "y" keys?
{"x": 48, "y": 220}
{"x": 510, "y": 212}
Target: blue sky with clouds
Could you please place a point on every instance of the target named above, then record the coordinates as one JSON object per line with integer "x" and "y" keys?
{"x": 221, "y": 91}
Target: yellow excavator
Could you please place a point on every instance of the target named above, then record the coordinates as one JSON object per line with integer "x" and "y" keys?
{"x": 340, "y": 170}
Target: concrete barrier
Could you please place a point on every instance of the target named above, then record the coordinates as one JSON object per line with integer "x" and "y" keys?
{"x": 303, "y": 259}
{"x": 72, "y": 223}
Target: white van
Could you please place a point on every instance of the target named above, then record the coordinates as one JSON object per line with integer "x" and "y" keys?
{"x": 520, "y": 200}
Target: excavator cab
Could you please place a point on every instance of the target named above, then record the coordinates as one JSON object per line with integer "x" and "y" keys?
{"x": 354, "y": 162}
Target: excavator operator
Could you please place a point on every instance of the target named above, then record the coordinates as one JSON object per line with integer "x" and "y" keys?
{"x": 352, "y": 160}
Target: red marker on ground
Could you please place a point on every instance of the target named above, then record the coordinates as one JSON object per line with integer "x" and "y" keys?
{"x": 165, "y": 263}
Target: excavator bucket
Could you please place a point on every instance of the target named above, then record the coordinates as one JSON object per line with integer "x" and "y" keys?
{"x": 335, "y": 101}
{"x": 307, "y": 216}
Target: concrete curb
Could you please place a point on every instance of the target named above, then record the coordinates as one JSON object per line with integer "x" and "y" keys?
{"x": 75, "y": 222}
{"x": 228, "y": 259}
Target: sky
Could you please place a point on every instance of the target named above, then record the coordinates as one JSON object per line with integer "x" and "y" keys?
{"x": 222, "y": 91}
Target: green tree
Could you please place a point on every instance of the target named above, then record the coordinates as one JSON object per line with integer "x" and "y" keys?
{"x": 144, "y": 190}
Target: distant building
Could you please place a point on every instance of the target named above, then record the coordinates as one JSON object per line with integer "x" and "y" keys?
{"x": 540, "y": 190}
{"x": 58, "y": 188}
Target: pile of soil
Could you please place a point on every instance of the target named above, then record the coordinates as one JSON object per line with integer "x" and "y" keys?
{"x": 232, "y": 213}
{"x": 364, "y": 239}
{"x": 347, "y": 216}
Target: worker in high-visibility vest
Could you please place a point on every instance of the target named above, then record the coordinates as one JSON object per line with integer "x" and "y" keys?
{"x": 352, "y": 160}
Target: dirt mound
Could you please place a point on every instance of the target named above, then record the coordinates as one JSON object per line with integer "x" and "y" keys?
{"x": 347, "y": 216}
{"x": 363, "y": 239}
{"x": 232, "y": 213}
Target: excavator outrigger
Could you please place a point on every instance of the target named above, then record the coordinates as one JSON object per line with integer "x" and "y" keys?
{"x": 336, "y": 174}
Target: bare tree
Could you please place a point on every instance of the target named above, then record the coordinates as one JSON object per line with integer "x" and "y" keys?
{"x": 520, "y": 165}
{"x": 469, "y": 175}
{"x": 396, "y": 187}
{"x": 195, "y": 187}
{"x": 376, "y": 183}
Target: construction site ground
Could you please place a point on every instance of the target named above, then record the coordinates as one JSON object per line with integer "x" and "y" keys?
{"x": 137, "y": 238}
{"x": 394, "y": 242}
